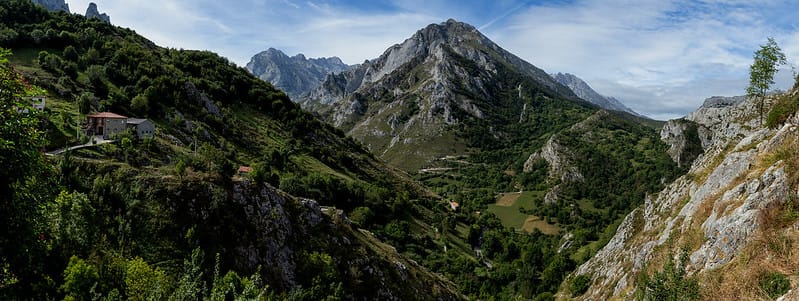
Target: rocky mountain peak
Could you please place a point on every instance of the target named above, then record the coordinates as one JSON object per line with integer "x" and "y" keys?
{"x": 584, "y": 91}
{"x": 294, "y": 75}
{"x": 53, "y": 5}
{"x": 441, "y": 76}
{"x": 92, "y": 12}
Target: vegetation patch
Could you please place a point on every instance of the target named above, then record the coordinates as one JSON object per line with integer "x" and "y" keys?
{"x": 774, "y": 284}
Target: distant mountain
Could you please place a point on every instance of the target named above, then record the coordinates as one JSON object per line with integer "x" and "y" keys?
{"x": 294, "y": 75}
{"x": 53, "y": 5}
{"x": 584, "y": 91}
{"x": 92, "y": 12}
{"x": 60, "y": 5}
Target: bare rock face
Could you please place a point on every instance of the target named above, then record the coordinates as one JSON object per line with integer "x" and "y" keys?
{"x": 584, "y": 91}
{"x": 682, "y": 136}
{"x": 723, "y": 197}
{"x": 296, "y": 75}
{"x": 282, "y": 228}
{"x": 93, "y": 13}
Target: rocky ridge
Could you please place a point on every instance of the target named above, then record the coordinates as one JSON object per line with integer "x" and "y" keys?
{"x": 405, "y": 101}
{"x": 719, "y": 211}
{"x": 93, "y": 13}
{"x": 296, "y": 75}
{"x": 584, "y": 91}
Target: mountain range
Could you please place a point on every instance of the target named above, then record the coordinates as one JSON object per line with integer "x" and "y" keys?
{"x": 294, "y": 75}
{"x": 445, "y": 169}
{"x": 584, "y": 91}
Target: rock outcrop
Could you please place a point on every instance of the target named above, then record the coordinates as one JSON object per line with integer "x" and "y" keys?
{"x": 53, "y": 5}
{"x": 717, "y": 211}
{"x": 93, "y": 13}
{"x": 584, "y": 91}
{"x": 682, "y": 136}
{"x": 294, "y": 75}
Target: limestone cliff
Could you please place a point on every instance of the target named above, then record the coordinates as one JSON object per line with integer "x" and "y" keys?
{"x": 734, "y": 212}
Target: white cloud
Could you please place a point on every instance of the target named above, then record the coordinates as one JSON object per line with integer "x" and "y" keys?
{"x": 662, "y": 58}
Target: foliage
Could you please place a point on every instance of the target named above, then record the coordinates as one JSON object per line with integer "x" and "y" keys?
{"x": 774, "y": 284}
{"x": 22, "y": 190}
{"x": 786, "y": 106}
{"x": 80, "y": 278}
{"x": 71, "y": 222}
{"x": 579, "y": 284}
{"x": 761, "y": 73}
{"x": 142, "y": 282}
{"x": 671, "y": 283}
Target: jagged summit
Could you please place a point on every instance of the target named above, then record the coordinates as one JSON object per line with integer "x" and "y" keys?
{"x": 447, "y": 74}
{"x": 584, "y": 91}
{"x": 294, "y": 75}
{"x": 92, "y": 12}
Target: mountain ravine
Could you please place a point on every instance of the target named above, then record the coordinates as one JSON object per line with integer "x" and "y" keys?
{"x": 734, "y": 215}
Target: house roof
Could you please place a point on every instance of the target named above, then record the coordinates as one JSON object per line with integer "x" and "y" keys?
{"x": 106, "y": 115}
{"x": 136, "y": 120}
{"x": 245, "y": 169}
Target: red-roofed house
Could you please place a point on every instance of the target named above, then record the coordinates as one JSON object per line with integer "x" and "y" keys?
{"x": 244, "y": 170}
{"x": 105, "y": 124}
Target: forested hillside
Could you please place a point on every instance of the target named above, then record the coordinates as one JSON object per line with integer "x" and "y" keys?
{"x": 165, "y": 217}
{"x": 319, "y": 217}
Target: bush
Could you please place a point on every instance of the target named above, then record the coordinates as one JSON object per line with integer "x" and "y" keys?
{"x": 671, "y": 283}
{"x": 785, "y": 107}
{"x": 774, "y": 284}
{"x": 579, "y": 285}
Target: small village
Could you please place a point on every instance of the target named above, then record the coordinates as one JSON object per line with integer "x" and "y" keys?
{"x": 103, "y": 127}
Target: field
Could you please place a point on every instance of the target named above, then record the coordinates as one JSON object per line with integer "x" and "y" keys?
{"x": 508, "y": 206}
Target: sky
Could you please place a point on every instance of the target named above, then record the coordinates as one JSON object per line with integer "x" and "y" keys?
{"x": 661, "y": 58}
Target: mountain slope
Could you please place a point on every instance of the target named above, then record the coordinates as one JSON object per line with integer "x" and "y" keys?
{"x": 539, "y": 178}
{"x": 165, "y": 215}
{"x": 294, "y": 75}
{"x": 584, "y": 91}
{"x": 408, "y": 104}
{"x": 734, "y": 214}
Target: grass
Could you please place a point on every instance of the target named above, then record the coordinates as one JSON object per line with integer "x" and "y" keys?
{"x": 508, "y": 211}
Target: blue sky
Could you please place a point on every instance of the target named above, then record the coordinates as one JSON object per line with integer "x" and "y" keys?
{"x": 661, "y": 58}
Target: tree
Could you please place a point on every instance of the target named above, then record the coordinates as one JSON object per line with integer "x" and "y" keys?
{"x": 21, "y": 142}
{"x": 79, "y": 278}
{"x": 761, "y": 73}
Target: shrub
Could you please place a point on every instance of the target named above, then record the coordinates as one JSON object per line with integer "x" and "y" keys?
{"x": 785, "y": 107}
{"x": 774, "y": 284}
{"x": 579, "y": 285}
{"x": 671, "y": 283}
